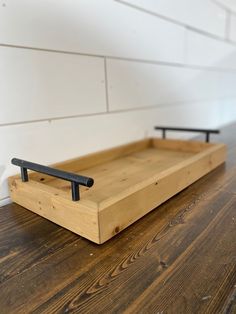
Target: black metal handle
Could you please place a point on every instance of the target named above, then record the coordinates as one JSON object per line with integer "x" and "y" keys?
{"x": 206, "y": 131}
{"x": 75, "y": 179}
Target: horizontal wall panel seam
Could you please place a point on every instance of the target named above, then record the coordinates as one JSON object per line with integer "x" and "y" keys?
{"x": 75, "y": 23}
{"x": 176, "y": 22}
{"x": 222, "y": 6}
{"x": 175, "y": 104}
{"x": 171, "y": 64}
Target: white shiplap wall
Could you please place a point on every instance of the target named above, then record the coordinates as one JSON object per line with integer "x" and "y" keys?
{"x": 78, "y": 76}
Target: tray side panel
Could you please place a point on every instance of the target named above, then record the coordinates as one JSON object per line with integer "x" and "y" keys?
{"x": 54, "y": 205}
{"x": 181, "y": 145}
{"x": 124, "y": 212}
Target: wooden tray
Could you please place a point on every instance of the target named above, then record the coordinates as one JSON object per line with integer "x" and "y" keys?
{"x": 130, "y": 181}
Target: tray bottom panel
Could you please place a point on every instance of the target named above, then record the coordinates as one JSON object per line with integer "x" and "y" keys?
{"x": 111, "y": 178}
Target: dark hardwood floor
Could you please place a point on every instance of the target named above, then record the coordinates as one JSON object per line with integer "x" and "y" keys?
{"x": 180, "y": 258}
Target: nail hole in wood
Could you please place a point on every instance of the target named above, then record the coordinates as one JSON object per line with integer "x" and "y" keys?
{"x": 117, "y": 229}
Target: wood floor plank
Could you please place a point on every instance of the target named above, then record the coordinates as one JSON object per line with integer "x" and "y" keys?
{"x": 159, "y": 226}
{"x": 189, "y": 284}
{"x": 20, "y": 243}
{"x": 134, "y": 273}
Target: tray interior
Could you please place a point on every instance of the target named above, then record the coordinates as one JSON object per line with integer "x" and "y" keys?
{"x": 126, "y": 167}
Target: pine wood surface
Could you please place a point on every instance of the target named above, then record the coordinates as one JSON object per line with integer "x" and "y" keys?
{"x": 130, "y": 181}
{"x": 180, "y": 258}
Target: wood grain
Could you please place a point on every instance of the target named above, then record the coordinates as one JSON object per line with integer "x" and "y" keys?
{"x": 177, "y": 259}
{"x": 130, "y": 181}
